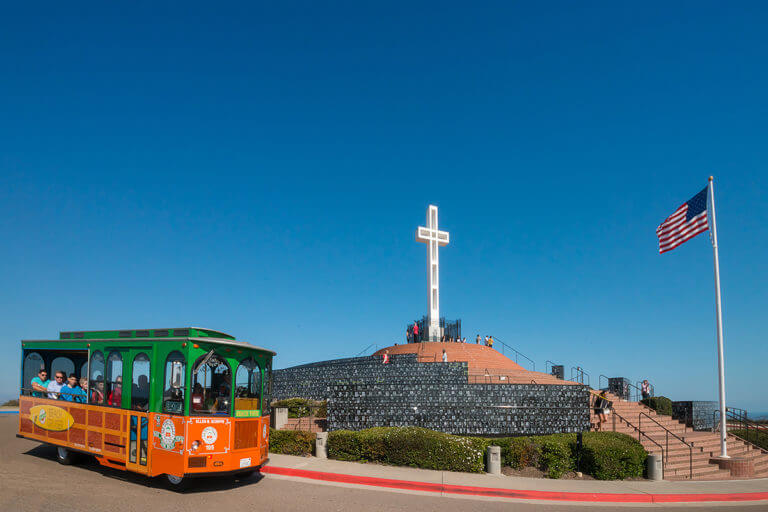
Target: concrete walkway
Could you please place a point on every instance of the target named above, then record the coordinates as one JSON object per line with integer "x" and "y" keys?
{"x": 446, "y": 482}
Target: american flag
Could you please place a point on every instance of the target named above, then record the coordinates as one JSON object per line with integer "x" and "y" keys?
{"x": 688, "y": 221}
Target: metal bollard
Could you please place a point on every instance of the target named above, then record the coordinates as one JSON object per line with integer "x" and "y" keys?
{"x": 654, "y": 464}
{"x": 493, "y": 460}
{"x": 321, "y": 445}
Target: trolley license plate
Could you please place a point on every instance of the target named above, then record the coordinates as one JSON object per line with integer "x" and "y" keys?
{"x": 244, "y": 463}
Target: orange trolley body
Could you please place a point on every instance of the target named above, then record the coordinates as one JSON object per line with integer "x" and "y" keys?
{"x": 206, "y": 414}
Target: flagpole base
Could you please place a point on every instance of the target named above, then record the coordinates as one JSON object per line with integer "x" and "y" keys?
{"x": 738, "y": 466}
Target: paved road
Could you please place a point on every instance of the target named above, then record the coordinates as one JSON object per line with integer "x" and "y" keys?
{"x": 31, "y": 479}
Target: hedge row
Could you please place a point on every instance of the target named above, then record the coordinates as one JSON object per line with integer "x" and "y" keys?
{"x": 660, "y": 404}
{"x": 302, "y": 407}
{"x": 753, "y": 436}
{"x": 612, "y": 456}
{"x": 604, "y": 455}
{"x": 291, "y": 442}
{"x": 409, "y": 446}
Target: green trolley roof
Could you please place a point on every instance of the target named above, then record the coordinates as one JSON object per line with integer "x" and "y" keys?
{"x": 176, "y": 332}
{"x": 195, "y": 334}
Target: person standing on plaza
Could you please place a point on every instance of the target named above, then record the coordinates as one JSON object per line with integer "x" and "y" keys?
{"x": 490, "y": 341}
{"x": 416, "y": 332}
{"x": 445, "y": 356}
{"x": 385, "y": 357}
{"x": 645, "y": 389}
{"x": 477, "y": 340}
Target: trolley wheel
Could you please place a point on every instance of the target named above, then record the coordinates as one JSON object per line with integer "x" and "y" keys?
{"x": 64, "y": 456}
{"x": 177, "y": 483}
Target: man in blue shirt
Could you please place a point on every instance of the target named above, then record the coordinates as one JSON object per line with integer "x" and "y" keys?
{"x": 40, "y": 383}
{"x": 70, "y": 391}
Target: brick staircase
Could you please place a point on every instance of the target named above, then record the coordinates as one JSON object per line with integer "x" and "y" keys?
{"x": 678, "y": 464}
{"x": 485, "y": 365}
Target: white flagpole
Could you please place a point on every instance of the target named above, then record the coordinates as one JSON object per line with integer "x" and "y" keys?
{"x": 720, "y": 358}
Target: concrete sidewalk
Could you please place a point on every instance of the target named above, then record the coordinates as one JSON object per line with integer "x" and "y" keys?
{"x": 506, "y": 486}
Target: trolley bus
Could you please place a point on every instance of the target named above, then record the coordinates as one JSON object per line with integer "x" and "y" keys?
{"x": 183, "y": 402}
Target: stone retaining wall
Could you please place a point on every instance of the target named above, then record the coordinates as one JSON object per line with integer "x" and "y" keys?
{"x": 362, "y": 393}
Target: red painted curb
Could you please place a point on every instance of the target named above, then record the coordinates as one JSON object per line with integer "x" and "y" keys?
{"x": 515, "y": 494}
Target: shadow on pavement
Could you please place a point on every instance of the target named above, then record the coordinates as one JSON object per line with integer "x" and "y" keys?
{"x": 203, "y": 484}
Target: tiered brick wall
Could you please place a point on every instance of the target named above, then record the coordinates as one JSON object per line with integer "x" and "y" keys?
{"x": 362, "y": 393}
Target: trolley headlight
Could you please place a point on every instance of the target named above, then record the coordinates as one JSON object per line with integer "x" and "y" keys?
{"x": 195, "y": 445}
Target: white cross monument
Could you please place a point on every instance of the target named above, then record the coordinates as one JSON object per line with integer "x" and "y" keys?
{"x": 434, "y": 238}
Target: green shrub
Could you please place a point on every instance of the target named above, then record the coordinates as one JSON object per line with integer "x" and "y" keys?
{"x": 11, "y": 403}
{"x": 660, "y": 404}
{"x": 343, "y": 445}
{"x": 605, "y": 455}
{"x": 557, "y": 454}
{"x": 612, "y": 456}
{"x": 518, "y": 452}
{"x": 409, "y": 446}
{"x": 753, "y": 436}
{"x": 302, "y": 407}
{"x": 291, "y": 442}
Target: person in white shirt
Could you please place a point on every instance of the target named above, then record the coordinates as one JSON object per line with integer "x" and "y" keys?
{"x": 445, "y": 356}
{"x": 54, "y": 387}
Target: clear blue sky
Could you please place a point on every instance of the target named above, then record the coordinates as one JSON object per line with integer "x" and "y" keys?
{"x": 262, "y": 170}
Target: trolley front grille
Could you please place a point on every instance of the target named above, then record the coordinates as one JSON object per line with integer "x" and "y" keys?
{"x": 196, "y": 462}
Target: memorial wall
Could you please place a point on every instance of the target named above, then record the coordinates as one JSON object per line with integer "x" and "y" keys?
{"x": 362, "y": 393}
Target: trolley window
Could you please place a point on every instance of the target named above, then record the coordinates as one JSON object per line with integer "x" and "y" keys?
{"x": 140, "y": 386}
{"x": 211, "y": 386}
{"x": 96, "y": 385}
{"x": 248, "y": 381}
{"x": 33, "y": 367}
{"x": 62, "y": 364}
{"x": 114, "y": 380}
{"x": 173, "y": 388}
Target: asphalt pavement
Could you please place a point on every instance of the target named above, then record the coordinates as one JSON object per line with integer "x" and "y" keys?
{"x": 32, "y": 480}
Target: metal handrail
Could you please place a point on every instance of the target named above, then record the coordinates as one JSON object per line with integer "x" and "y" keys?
{"x": 652, "y": 389}
{"x": 517, "y": 352}
{"x": 629, "y": 398}
{"x": 581, "y": 373}
{"x": 366, "y": 348}
{"x": 741, "y": 413}
{"x": 690, "y": 446}
{"x": 664, "y": 454}
{"x": 638, "y": 394}
{"x": 740, "y": 416}
{"x": 615, "y": 414}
